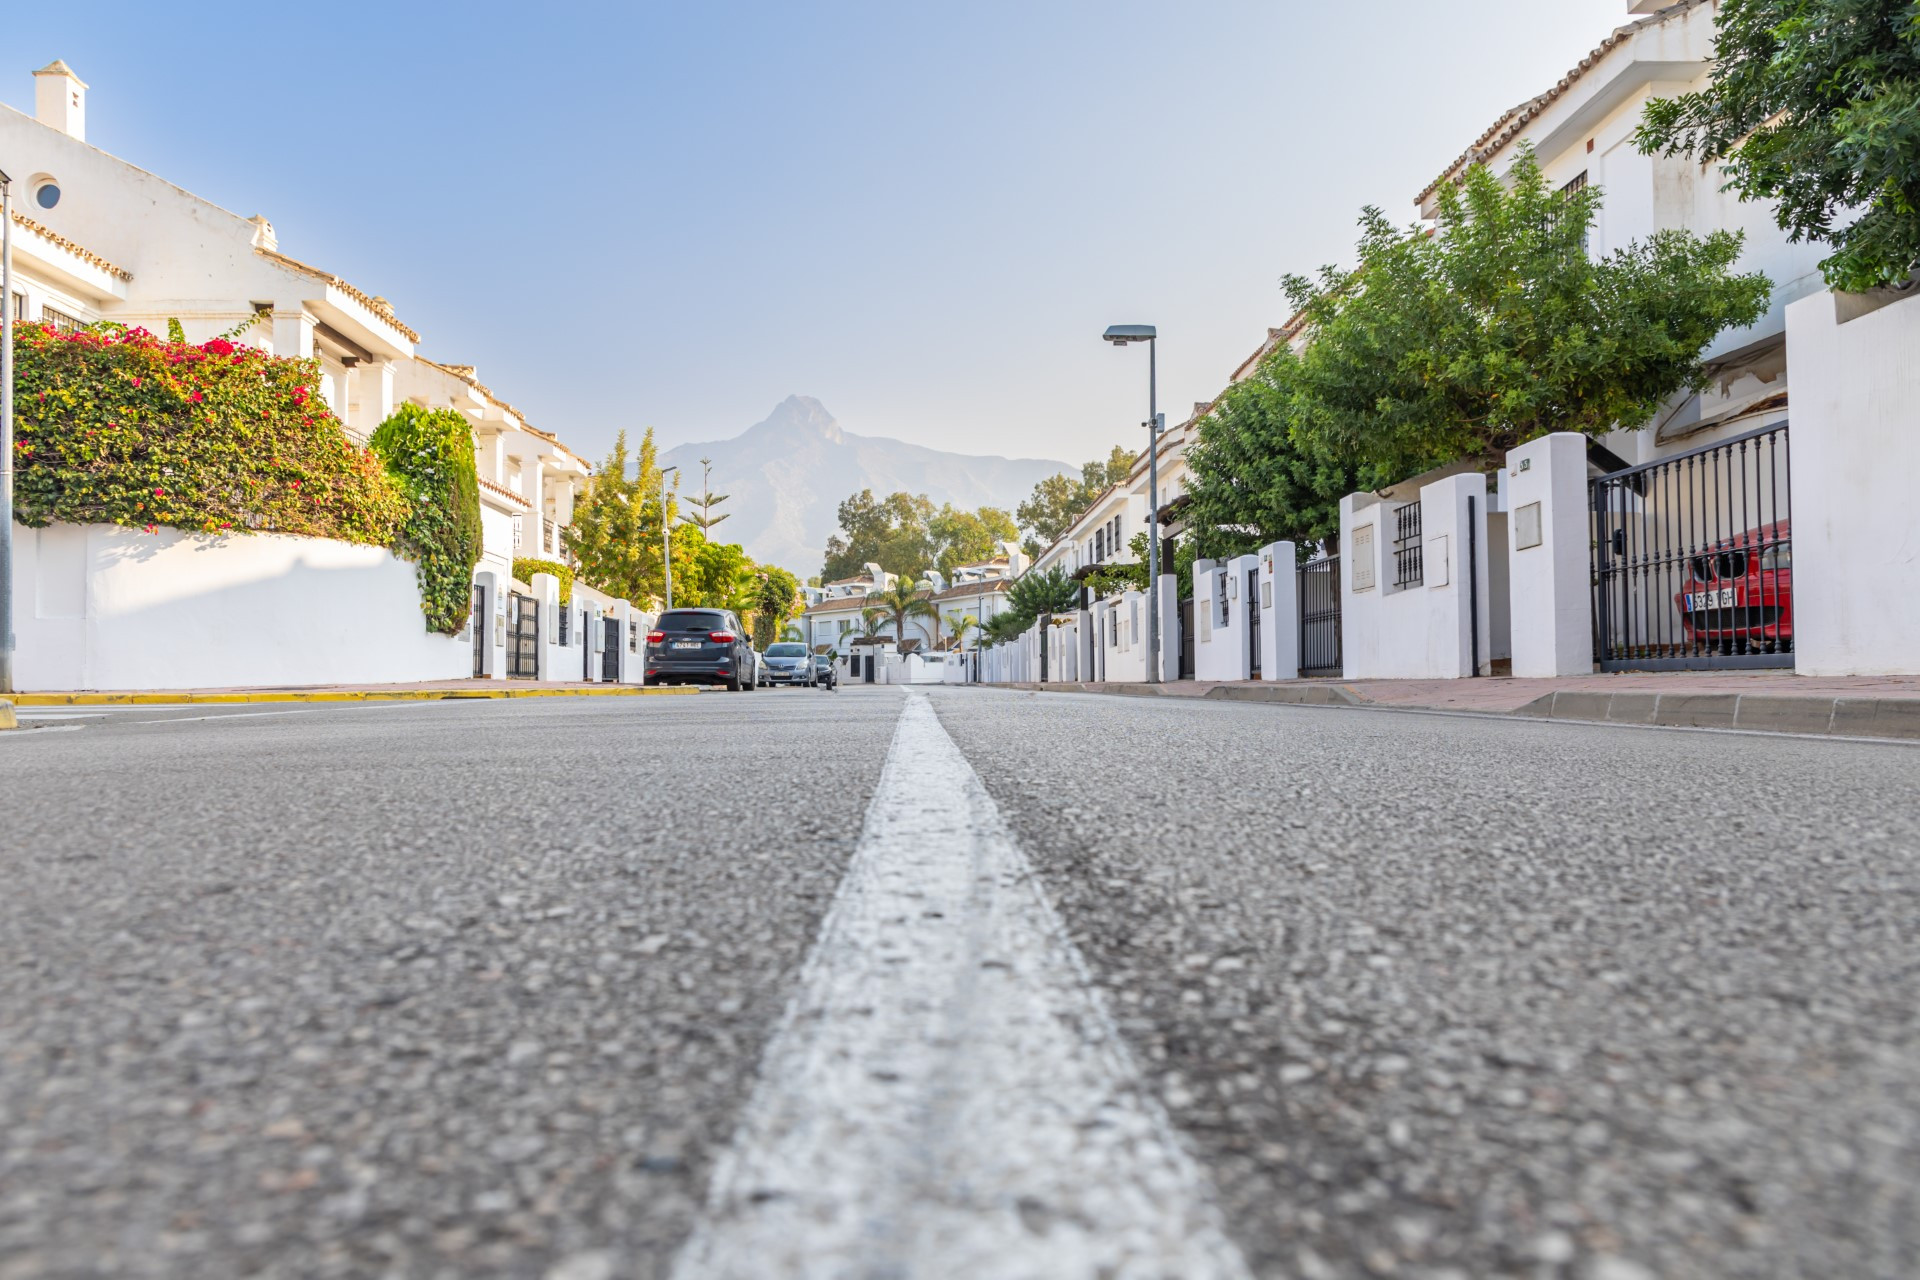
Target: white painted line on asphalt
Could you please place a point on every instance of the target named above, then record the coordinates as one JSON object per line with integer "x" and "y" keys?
{"x": 60, "y": 715}
{"x": 947, "y": 1094}
{"x": 227, "y": 715}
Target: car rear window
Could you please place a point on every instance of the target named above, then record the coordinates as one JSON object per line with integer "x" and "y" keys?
{"x": 786, "y": 651}
{"x": 693, "y": 620}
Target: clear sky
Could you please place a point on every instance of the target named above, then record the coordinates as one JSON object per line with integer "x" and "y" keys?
{"x": 633, "y": 214}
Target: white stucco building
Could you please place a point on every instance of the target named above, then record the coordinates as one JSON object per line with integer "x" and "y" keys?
{"x": 96, "y": 238}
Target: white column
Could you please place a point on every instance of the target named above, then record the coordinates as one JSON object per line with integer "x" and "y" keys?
{"x": 1169, "y": 595}
{"x": 1279, "y": 612}
{"x": 546, "y": 590}
{"x": 1548, "y": 556}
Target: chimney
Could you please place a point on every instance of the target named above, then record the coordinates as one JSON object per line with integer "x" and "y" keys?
{"x": 263, "y": 237}
{"x": 60, "y": 99}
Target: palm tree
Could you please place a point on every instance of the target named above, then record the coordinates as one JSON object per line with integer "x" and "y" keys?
{"x": 901, "y": 602}
{"x": 958, "y": 624}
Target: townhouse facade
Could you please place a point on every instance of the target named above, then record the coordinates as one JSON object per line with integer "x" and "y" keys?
{"x": 96, "y": 238}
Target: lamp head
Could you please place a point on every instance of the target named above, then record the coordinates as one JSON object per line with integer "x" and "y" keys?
{"x": 1121, "y": 334}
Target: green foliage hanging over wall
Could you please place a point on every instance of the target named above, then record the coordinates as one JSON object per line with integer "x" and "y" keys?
{"x": 120, "y": 427}
{"x": 429, "y": 452}
{"x": 525, "y": 568}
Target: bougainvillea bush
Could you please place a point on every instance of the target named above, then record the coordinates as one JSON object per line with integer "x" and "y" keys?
{"x": 429, "y": 453}
{"x": 126, "y": 428}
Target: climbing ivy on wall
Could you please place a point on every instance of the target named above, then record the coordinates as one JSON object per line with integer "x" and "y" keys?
{"x": 429, "y": 454}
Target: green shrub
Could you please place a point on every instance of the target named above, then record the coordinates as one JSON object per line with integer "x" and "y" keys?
{"x": 121, "y": 427}
{"x": 429, "y": 452}
{"x": 525, "y": 569}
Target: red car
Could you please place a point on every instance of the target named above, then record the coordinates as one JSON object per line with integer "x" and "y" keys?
{"x": 1739, "y": 593}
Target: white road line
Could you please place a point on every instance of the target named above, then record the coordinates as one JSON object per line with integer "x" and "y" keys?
{"x": 227, "y": 715}
{"x": 946, "y": 1094}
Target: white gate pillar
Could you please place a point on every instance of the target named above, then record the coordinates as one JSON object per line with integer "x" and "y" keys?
{"x": 1279, "y": 612}
{"x": 1548, "y": 531}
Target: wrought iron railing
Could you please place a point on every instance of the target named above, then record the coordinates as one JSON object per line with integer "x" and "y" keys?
{"x": 1319, "y": 586}
{"x": 1408, "y": 566}
{"x": 1693, "y": 558}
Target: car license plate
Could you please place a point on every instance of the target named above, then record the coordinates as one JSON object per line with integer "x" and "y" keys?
{"x": 686, "y": 644}
{"x": 1721, "y": 598}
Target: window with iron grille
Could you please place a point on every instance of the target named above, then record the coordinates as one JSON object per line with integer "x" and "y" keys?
{"x": 1220, "y": 594}
{"x": 60, "y": 321}
{"x": 633, "y": 636}
{"x": 1407, "y": 563}
{"x": 1568, "y": 192}
{"x": 1099, "y": 545}
{"x": 566, "y": 618}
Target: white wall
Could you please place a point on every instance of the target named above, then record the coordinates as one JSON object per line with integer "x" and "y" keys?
{"x": 1414, "y": 632}
{"x": 1549, "y": 578}
{"x": 102, "y": 607}
{"x": 1279, "y": 612}
{"x": 1856, "y": 452}
{"x": 1220, "y": 643}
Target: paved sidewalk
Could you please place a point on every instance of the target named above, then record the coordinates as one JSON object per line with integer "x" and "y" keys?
{"x": 1772, "y": 701}
{"x": 426, "y": 691}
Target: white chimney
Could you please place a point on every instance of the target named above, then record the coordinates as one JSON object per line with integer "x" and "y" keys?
{"x": 1647, "y": 6}
{"x": 60, "y": 99}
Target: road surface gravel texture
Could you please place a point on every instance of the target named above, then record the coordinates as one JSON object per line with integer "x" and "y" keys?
{"x": 484, "y": 989}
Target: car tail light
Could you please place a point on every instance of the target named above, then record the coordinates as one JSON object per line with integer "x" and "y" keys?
{"x": 721, "y": 637}
{"x": 655, "y": 637}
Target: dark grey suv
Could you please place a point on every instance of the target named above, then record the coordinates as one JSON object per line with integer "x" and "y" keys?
{"x": 700, "y": 646}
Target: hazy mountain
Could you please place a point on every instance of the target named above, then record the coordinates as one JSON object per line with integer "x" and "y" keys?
{"x": 786, "y": 477}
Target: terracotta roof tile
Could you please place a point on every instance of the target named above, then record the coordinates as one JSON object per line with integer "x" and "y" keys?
{"x": 504, "y": 492}
{"x": 379, "y": 306}
{"x": 1509, "y": 125}
{"x": 87, "y": 256}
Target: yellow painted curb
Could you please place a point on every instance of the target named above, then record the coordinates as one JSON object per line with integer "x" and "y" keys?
{"x": 328, "y": 695}
{"x": 7, "y": 719}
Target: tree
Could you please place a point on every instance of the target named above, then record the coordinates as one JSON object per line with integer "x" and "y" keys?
{"x": 1005, "y": 628}
{"x": 1814, "y": 104}
{"x": 776, "y": 598}
{"x": 1495, "y": 327}
{"x": 958, "y": 624}
{"x": 889, "y": 532}
{"x": 1058, "y": 500}
{"x": 614, "y": 536}
{"x": 968, "y": 537}
{"x": 1043, "y": 593}
{"x": 899, "y": 604}
{"x": 700, "y": 507}
{"x": 711, "y": 575}
{"x": 1257, "y": 475}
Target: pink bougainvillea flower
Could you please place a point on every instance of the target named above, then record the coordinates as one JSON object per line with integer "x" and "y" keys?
{"x": 196, "y": 397}
{"x": 153, "y": 528}
{"x": 159, "y": 493}
{"x": 136, "y": 382}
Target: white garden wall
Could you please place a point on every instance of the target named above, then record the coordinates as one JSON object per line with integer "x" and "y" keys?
{"x": 102, "y": 607}
{"x": 1856, "y": 453}
{"x": 1419, "y": 631}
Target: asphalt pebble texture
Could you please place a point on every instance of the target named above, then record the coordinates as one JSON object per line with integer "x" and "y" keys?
{"x": 458, "y": 989}
{"x": 1448, "y": 997}
{"x": 442, "y": 990}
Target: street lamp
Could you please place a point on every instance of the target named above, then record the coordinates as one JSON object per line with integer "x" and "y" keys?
{"x": 1120, "y": 335}
{"x": 666, "y": 534}
{"x": 6, "y": 434}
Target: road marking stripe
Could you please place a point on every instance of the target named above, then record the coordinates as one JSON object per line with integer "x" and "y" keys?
{"x": 946, "y": 1094}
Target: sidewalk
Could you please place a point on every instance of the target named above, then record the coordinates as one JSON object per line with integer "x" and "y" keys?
{"x": 424, "y": 691}
{"x": 1768, "y": 701}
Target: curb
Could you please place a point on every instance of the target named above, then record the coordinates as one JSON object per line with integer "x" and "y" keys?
{"x": 1897, "y": 719}
{"x": 331, "y": 695}
{"x": 7, "y": 719}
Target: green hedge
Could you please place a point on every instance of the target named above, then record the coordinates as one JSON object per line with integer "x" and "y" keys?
{"x": 429, "y": 453}
{"x": 524, "y": 569}
{"x": 121, "y": 427}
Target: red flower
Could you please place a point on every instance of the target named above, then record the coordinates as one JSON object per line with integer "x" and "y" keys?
{"x": 136, "y": 382}
{"x": 159, "y": 493}
{"x": 196, "y": 397}
{"x": 153, "y": 528}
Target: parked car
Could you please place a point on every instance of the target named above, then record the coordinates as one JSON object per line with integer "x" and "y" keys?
{"x": 1738, "y": 593}
{"x": 760, "y": 680}
{"x": 788, "y": 664}
{"x": 824, "y": 676}
{"x": 700, "y": 646}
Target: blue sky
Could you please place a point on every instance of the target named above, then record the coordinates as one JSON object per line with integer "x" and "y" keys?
{"x": 675, "y": 215}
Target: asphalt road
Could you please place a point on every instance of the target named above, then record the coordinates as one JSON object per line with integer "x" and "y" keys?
{"x": 475, "y": 989}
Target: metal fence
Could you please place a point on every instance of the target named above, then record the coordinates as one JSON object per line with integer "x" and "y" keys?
{"x": 1319, "y": 587}
{"x": 523, "y": 637}
{"x": 1693, "y": 559}
{"x": 1408, "y": 566}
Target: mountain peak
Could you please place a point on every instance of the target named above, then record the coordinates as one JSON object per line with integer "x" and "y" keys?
{"x": 802, "y": 415}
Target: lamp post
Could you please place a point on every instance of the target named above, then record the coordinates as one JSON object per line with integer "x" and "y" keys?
{"x": 666, "y": 534}
{"x": 1120, "y": 335}
{"x": 6, "y": 434}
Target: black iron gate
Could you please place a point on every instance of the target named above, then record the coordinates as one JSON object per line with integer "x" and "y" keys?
{"x": 1186, "y": 638}
{"x": 1253, "y": 623}
{"x": 479, "y": 625}
{"x": 1693, "y": 559}
{"x": 1319, "y": 587}
{"x": 610, "y": 656}
{"x": 586, "y": 645}
{"x": 523, "y": 637}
